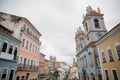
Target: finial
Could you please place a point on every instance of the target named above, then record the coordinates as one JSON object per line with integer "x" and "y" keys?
{"x": 90, "y": 8}
{"x": 80, "y": 28}
{"x": 99, "y": 11}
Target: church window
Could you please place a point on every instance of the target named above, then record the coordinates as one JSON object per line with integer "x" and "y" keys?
{"x": 106, "y": 75}
{"x": 110, "y": 54}
{"x": 115, "y": 77}
{"x": 103, "y": 57}
{"x": 118, "y": 50}
{"x": 96, "y": 22}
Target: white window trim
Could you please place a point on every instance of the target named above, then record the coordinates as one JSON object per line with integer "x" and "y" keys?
{"x": 11, "y": 44}
{"x": 108, "y": 53}
{"x": 102, "y": 51}
{"x": 105, "y": 74}
{"x": 112, "y": 73}
{"x": 13, "y": 73}
{"x": 116, "y": 44}
{"x": 0, "y": 44}
{"x": 6, "y": 73}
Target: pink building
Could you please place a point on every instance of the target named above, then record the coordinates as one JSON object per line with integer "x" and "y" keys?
{"x": 28, "y": 61}
{"x": 41, "y": 66}
{"x": 28, "y": 54}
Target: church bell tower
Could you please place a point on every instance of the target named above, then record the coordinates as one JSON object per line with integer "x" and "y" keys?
{"x": 93, "y": 23}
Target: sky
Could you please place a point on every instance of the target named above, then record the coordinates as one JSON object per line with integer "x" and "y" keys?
{"x": 57, "y": 21}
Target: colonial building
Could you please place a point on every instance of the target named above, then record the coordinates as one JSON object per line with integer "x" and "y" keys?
{"x": 73, "y": 71}
{"x": 87, "y": 54}
{"x": 109, "y": 51}
{"x": 9, "y": 47}
{"x": 28, "y": 58}
{"x": 46, "y": 69}
{"x": 52, "y": 63}
{"x": 41, "y": 66}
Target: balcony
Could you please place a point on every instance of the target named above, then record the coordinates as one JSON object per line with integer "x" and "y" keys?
{"x": 27, "y": 67}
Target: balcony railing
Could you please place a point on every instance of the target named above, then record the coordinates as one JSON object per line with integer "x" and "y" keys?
{"x": 27, "y": 67}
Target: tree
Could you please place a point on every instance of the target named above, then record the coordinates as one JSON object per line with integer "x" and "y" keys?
{"x": 56, "y": 74}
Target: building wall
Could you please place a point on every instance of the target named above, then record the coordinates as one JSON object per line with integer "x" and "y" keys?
{"x": 8, "y": 59}
{"x": 110, "y": 42}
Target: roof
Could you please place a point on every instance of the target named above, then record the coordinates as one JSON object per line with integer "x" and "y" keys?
{"x": 113, "y": 30}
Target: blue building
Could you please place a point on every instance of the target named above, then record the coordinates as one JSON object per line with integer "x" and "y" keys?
{"x": 9, "y": 47}
{"x": 87, "y": 53}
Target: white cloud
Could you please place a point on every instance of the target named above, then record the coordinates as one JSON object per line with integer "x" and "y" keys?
{"x": 57, "y": 20}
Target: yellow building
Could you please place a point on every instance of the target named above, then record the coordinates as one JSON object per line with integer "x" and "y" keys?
{"x": 109, "y": 51}
{"x": 46, "y": 69}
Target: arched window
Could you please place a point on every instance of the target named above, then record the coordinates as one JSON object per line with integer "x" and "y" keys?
{"x": 96, "y": 22}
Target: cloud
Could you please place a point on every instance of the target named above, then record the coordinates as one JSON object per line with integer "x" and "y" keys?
{"x": 57, "y": 20}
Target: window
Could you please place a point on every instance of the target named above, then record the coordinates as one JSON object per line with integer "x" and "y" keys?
{"x": 24, "y": 27}
{"x": 110, "y": 55}
{"x": 4, "y": 47}
{"x": 23, "y": 42}
{"x": 21, "y": 58}
{"x": 106, "y": 75}
{"x": 4, "y": 74}
{"x": 18, "y": 78}
{"x": 25, "y": 60}
{"x": 28, "y": 62}
{"x": 27, "y": 30}
{"x": 0, "y": 44}
{"x": 27, "y": 45}
{"x": 118, "y": 50}
{"x": 86, "y": 27}
{"x": 10, "y": 49}
{"x": 38, "y": 50}
{"x": 11, "y": 75}
{"x": 103, "y": 58}
{"x": 33, "y": 48}
{"x": 30, "y": 46}
{"x": 96, "y": 22}
{"x": 15, "y": 53}
{"x": 115, "y": 77}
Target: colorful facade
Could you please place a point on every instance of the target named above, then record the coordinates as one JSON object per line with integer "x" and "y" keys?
{"x": 9, "y": 47}
{"x": 41, "y": 66}
{"x": 87, "y": 54}
{"x": 109, "y": 51}
{"x": 28, "y": 58}
{"x": 46, "y": 69}
{"x": 28, "y": 63}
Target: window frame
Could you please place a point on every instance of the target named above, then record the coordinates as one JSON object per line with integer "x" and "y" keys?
{"x": 13, "y": 73}
{"x": 17, "y": 51}
{"x": 102, "y": 51}
{"x": 112, "y": 73}
{"x": 116, "y": 44}
{"x": 108, "y": 54}
{"x": 97, "y": 27}
{"x": 23, "y": 44}
{"x": 6, "y": 72}
{"x": 105, "y": 74}
{"x": 6, "y": 47}
{"x": 12, "y": 48}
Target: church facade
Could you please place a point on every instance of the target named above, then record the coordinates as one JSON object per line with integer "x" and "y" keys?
{"x": 87, "y": 53}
